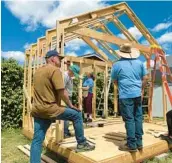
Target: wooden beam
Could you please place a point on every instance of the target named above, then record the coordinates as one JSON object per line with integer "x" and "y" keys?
{"x": 94, "y": 93}
{"x": 109, "y": 38}
{"x": 80, "y": 88}
{"x": 92, "y": 45}
{"x": 115, "y": 99}
{"x": 106, "y": 92}
{"x": 97, "y": 14}
{"x": 24, "y": 99}
{"x": 140, "y": 25}
{"x": 87, "y": 61}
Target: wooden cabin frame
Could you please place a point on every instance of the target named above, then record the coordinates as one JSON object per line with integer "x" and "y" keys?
{"x": 86, "y": 27}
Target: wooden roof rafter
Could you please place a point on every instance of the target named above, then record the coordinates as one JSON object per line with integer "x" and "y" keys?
{"x": 84, "y": 26}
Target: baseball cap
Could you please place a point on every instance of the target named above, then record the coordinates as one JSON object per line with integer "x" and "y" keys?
{"x": 75, "y": 69}
{"x": 52, "y": 53}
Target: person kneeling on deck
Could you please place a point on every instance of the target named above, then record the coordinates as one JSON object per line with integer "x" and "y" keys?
{"x": 49, "y": 90}
{"x": 168, "y": 136}
{"x": 73, "y": 71}
{"x": 131, "y": 76}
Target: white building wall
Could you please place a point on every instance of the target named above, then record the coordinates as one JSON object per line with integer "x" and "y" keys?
{"x": 157, "y": 102}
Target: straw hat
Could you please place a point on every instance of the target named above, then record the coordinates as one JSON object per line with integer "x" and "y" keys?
{"x": 126, "y": 51}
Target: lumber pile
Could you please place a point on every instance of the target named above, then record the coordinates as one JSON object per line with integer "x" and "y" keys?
{"x": 115, "y": 136}
{"x": 26, "y": 150}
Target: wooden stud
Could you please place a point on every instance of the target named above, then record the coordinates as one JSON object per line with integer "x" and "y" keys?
{"x": 106, "y": 92}
{"x": 140, "y": 25}
{"x": 94, "y": 93}
{"x": 115, "y": 98}
{"x": 92, "y": 45}
{"x": 80, "y": 88}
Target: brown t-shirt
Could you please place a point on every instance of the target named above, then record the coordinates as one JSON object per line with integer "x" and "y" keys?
{"x": 47, "y": 81}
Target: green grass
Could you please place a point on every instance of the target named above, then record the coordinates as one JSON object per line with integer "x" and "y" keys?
{"x": 11, "y": 138}
{"x": 167, "y": 159}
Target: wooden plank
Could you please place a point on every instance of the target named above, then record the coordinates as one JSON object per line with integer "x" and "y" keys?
{"x": 27, "y": 152}
{"x": 106, "y": 92}
{"x": 88, "y": 16}
{"x": 112, "y": 137}
{"x": 117, "y": 134}
{"x": 115, "y": 98}
{"x": 152, "y": 147}
{"x": 140, "y": 25}
{"x": 92, "y": 45}
{"x": 94, "y": 93}
{"x": 87, "y": 61}
{"x": 80, "y": 87}
{"x": 24, "y": 99}
{"x": 108, "y": 38}
{"x": 43, "y": 157}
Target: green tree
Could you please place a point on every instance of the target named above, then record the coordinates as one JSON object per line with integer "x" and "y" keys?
{"x": 11, "y": 93}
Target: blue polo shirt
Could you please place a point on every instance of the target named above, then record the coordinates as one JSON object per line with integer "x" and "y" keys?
{"x": 90, "y": 83}
{"x": 128, "y": 73}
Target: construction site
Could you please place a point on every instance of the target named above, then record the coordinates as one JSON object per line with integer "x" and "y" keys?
{"x": 89, "y": 27}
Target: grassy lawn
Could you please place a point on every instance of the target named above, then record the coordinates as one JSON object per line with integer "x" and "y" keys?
{"x": 11, "y": 138}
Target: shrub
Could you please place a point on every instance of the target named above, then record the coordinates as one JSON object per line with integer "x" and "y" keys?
{"x": 11, "y": 93}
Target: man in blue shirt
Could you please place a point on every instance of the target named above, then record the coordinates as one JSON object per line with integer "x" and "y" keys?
{"x": 131, "y": 76}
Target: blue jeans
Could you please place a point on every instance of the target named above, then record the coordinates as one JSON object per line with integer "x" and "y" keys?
{"x": 131, "y": 111}
{"x": 66, "y": 123}
{"x": 41, "y": 126}
{"x": 66, "y": 128}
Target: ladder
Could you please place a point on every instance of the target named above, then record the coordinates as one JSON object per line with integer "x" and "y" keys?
{"x": 164, "y": 69}
{"x": 102, "y": 93}
{"x": 161, "y": 63}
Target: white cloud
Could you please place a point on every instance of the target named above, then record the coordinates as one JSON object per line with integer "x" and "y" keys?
{"x": 18, "y": 55}
{"x": 71, "y": 54}
{"x": 88, "y": 51}
{"x": 145, "y": 42}
{"x": 35, "y": 13}
{"x": 165, "y": 38}
{"x": 75, "y": 44}
{"x": 94, "y": 41}
{"x": 27, "y": 45}
{"x": 161, "y": 26}
{"x": 134, "y": 31}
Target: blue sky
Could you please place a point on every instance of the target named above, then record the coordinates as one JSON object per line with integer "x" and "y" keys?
{"x": 24, "y": 21}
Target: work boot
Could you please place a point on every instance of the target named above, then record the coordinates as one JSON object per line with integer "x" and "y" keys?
{"x": 85, "y": 147}
{"x": 125, "y": 147}
{"x": 167, "y": 138}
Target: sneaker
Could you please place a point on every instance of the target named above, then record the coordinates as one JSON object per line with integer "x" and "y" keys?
{"x": 85, "y": 120}
{"x": 85, "y": 147}
{"x": 67, "y": 135}
{"x": 89, "y": 120}
{"x": 125, "y": 147}
{"x": 140, "y": 147}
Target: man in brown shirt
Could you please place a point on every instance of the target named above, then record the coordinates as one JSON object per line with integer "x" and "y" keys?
{"x": 48, "y": 87}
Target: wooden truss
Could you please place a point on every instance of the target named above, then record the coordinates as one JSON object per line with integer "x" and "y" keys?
{"x": 88, "y": 26}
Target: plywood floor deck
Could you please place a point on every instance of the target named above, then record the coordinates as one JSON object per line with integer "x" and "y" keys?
{"x": 107, "y": 150}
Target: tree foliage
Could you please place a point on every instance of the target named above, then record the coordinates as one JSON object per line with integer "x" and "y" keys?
{"x": 11, "y": 93}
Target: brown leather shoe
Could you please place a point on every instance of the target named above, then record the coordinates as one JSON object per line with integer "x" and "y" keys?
{"x": 124, "y": 147}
